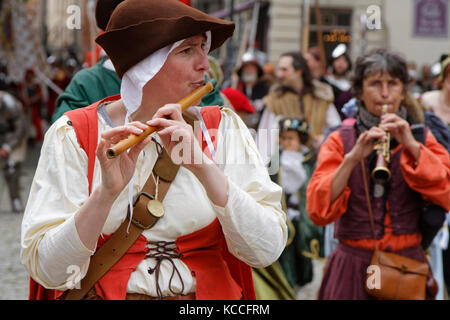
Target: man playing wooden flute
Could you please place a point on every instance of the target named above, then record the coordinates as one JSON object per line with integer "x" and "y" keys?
{"x": 202, "y": 224}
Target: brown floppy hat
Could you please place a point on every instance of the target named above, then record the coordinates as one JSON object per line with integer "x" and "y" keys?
{"x": 103, "y": 11}
{"x": 138, "y": 28}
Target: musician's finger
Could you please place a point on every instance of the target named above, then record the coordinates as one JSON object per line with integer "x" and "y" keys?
{"x": 390, "y": 118}
{"x": 159, "y": 123}
{"x": 399, "y": 128}
{"x": 162, "y": 123}
{"x": 376, "y": 132}
{"x": 373, "y": 135}
{"x": 166, "y": 131}
{"x": 169, "y": 132}
{"x": 134, "y": 151}
{"x": 171, "y": 111}
{"x": 101, "y": 147}
{"x": 396, "y": 123}
{"x": 138, "y": 124}
{"x": 121, "y": 132}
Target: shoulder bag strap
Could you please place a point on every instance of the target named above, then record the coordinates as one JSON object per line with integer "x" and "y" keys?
{"x": 369, "y": 206}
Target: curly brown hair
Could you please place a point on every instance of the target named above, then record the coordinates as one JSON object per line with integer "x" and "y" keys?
{"x": 379, "y": 60}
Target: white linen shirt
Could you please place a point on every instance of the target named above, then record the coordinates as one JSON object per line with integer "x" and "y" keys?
{"x": 253, "y": 222}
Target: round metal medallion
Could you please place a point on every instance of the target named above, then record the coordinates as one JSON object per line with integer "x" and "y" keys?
{"x": 156, "y": 208}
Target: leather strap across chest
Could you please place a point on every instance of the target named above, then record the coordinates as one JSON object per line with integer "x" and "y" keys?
{"x": 121, "y": 240}
{"x": 127, "y": 234}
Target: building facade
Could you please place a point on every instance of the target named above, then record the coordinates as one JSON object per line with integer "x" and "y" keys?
{"x": 361, "y": 24}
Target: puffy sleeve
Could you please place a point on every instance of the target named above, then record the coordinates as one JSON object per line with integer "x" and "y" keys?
{"x": 332, "y": 118}
{"x": 318, "y": 194}
{"x": 430, "y": 175}
{"x": 253, "y": 222}
{"x": 51, "y": 249}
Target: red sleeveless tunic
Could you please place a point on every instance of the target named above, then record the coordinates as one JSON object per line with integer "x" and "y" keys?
{"x": 219, "y": 275}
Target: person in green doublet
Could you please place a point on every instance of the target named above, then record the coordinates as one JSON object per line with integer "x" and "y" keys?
{"x": 88, "y": 86}
{"x": 295, "y": 163}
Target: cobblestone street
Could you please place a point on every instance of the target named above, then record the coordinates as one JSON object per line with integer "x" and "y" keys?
{"x": 13, "y": 276}
{"x": 310, "y": 290}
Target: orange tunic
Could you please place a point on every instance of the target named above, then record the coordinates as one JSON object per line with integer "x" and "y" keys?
{"x": 430, "y": 176}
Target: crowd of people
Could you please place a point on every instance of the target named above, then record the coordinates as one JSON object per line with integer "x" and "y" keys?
{"x": 26, "y": 109}
{"x": 309, "y": 130}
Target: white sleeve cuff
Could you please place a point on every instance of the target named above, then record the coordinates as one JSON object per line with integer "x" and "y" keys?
{"x": 62, "y": 256}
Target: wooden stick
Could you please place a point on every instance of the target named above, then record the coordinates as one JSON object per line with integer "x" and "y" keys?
{"x": 305, "y": 28}
{"x": 323, "y": 63}
{"x": 132, "y": 139}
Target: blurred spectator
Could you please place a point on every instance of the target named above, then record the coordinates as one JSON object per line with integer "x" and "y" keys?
{"x": 426, "y": 81}
{"x": 13, "y": 140}
{"x": 294, "y": 267}
{"x": 4, "y": 79}
{"x": 215, "y": 71}
{"x": 61, "y": 79}
{"x": 315, "y": 67}
{"x": 30, "y": 94}
{"x": 295, "y": 169}
{"x": 240, "y": 103}
{"x": 438, "y": 101}
{"x": 88, "y": 86}
{"x": 413, "y": 87}
{"x": 6, "y": 83}
{"x": 268, "y": 74}
{"x": 71, "y": 67}
{"x": 435, "y": 72}
{"x": 250, "y": 74}
{"x": 97, "y": 81}
{"x": 215, "y": 75}
{"x": 341, "y": 65}
{"x": 90, "y": 61}
{"x": 251, "y": 84}
{"x": 296, "y": 94}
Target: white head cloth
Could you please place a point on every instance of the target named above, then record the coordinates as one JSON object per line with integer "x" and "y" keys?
{"x": 134, "y": 80}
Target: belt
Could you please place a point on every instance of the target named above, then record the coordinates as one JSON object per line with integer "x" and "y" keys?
{"x": 92, "y": 295}
{"x": 138, "y": 296}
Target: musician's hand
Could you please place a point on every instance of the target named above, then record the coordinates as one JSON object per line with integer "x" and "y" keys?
{"x": 366, "y": 143}
{"x": 117, "y": 172}
{"x": 401, "y": 131}
{"x": 177, "y": 136}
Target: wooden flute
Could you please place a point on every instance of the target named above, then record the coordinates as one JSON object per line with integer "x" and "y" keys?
{"x": 132, "y": 139}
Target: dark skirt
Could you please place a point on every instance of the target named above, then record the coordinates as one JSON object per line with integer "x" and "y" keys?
{"x": 346, "y": 271}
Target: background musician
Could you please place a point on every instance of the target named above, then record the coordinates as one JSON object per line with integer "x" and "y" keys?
{"x": 336, "y": 193}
